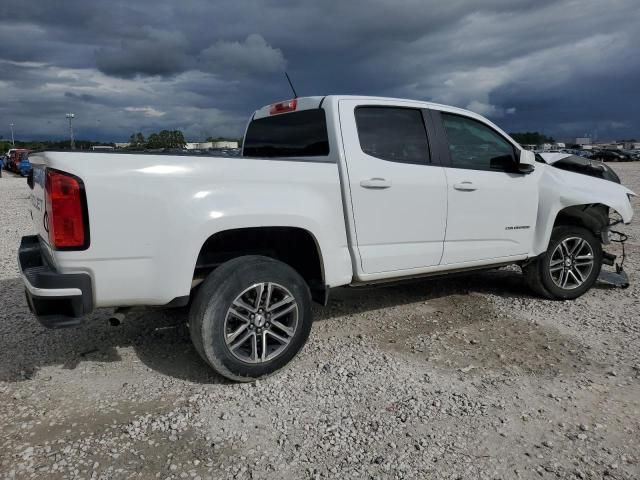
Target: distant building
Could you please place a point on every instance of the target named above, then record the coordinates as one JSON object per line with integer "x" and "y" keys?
{"x": 583, "y": 141}
{"x": 198, "y": 145}
{"x": 122, "y": 145}
{"x": 102, "y": 147}
{"x": 225, "y": 144}
{"x": 210, "y": 145}
{"x": 551, "y": 146}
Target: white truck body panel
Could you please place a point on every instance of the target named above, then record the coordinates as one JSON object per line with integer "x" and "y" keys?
{"x": 149, "y": 215}
{"x": 399, "y": 209}
{"x": 473, "y": 235}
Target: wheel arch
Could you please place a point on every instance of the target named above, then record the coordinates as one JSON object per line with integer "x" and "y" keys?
{"x": 297, "y": 247}
{"x": 592, "y": 216}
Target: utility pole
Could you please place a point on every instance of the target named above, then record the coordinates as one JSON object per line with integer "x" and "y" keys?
{"x": 72, "y": 142}
{"x": 13, "y": 143}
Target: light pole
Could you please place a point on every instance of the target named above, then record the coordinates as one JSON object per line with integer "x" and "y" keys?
{"x": 13, "y": 143}
{"x": 70, "y": 116}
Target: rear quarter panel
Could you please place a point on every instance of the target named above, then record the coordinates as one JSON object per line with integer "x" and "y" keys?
{"x": 149, "y": 216}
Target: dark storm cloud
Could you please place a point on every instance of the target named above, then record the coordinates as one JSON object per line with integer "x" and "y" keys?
{"x": 157, "y": 53}
{"x": 567, "y": 67}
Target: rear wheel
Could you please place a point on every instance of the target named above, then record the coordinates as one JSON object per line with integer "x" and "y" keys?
{"x": 569, "y": 267}
{"x": 250, "y": 317}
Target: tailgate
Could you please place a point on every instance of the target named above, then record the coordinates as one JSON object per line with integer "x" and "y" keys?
{"x": 37, "y": 204}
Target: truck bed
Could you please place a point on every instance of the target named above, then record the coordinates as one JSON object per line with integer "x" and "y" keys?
{"x": 150, "y": 214}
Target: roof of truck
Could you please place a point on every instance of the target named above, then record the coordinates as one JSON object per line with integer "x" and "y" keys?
{"x": 306, "y": 103}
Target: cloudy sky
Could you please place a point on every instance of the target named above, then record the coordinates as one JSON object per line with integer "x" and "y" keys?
{"x": 564, "y": 67}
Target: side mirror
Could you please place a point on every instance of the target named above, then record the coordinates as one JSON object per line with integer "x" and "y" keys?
{"x": 526, "y": 161}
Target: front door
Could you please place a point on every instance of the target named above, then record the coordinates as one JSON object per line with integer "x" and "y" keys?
{"x": 398, "y": 197}
{"x": 492, "y": 209}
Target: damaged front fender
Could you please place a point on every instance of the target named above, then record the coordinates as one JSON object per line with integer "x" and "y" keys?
{"x": 560, "y": 189}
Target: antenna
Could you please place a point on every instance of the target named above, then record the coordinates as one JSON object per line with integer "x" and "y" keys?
{"x": 295, "y": 95}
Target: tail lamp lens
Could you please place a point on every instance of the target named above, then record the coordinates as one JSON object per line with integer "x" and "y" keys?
{"x": 65, "y": 209}
{"x": 284, "y": 107}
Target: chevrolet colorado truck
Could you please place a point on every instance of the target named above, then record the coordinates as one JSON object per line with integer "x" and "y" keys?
{"x": 329, "y": 191}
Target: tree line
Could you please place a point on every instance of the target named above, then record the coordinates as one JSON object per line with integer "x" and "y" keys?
{"x": 171, "y": 139}
{"x": 48, "y": 145}
{"x": 162, "y": 139}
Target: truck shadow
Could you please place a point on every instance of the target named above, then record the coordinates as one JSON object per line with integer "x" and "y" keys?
{"x": 160, "y": 337}
{"x": 505, "y": 283}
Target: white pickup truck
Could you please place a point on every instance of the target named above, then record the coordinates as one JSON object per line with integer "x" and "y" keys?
{"x": 329, "y": 191}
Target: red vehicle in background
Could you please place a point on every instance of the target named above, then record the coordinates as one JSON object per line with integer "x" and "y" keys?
{"x": 16, "y": 159}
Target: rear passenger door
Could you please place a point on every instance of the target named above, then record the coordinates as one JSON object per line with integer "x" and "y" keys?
{"x": 398, "y": 196}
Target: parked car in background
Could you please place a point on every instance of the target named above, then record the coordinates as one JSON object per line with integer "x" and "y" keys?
{"x": 584, "y": 153}
{"x": 18, "y": 161}
{"x": 7, "y": 158}
{"x": 24, "y": 165}
{"x": 611, "y": 156}
{"x": 633, "y": 154}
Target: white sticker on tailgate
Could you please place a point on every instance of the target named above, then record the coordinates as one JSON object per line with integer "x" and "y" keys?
{"x": 38, "y": 208}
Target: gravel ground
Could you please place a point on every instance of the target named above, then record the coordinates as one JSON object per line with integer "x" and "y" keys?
{"x": 467, "y": 378}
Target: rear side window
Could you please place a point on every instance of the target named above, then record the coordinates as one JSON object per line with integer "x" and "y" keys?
{"x": 393, "y": 133}
{"x": 297, "y": 134}
{"x": 474, "y": 145}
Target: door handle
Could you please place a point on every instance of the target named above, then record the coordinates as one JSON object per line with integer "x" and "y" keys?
{"x": 465, "y": 186}
{"x": 376, "y": 183}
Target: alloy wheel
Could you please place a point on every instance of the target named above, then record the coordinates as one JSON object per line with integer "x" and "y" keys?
{"x": 261, "y": 322}
{"x": 571, "y": 263}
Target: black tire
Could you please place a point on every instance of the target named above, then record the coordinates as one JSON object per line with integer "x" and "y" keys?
{"x": 538, "y": 274}
{"x": 214, "y": 299}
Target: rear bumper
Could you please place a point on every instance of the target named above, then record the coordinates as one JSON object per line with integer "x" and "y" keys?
{"x": 57, "y": 299}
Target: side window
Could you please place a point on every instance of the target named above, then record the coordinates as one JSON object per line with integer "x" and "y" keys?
{"x": 393, "y": 133}
{"x": 476, "y": 146}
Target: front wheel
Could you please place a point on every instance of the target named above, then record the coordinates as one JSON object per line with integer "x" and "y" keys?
{"x": 250, "y": 317}
{"x": 569, "y": 267}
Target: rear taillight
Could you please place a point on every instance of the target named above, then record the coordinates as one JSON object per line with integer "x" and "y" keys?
{"x": 67, "y": 220}
{"x": 284, "y": 107}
